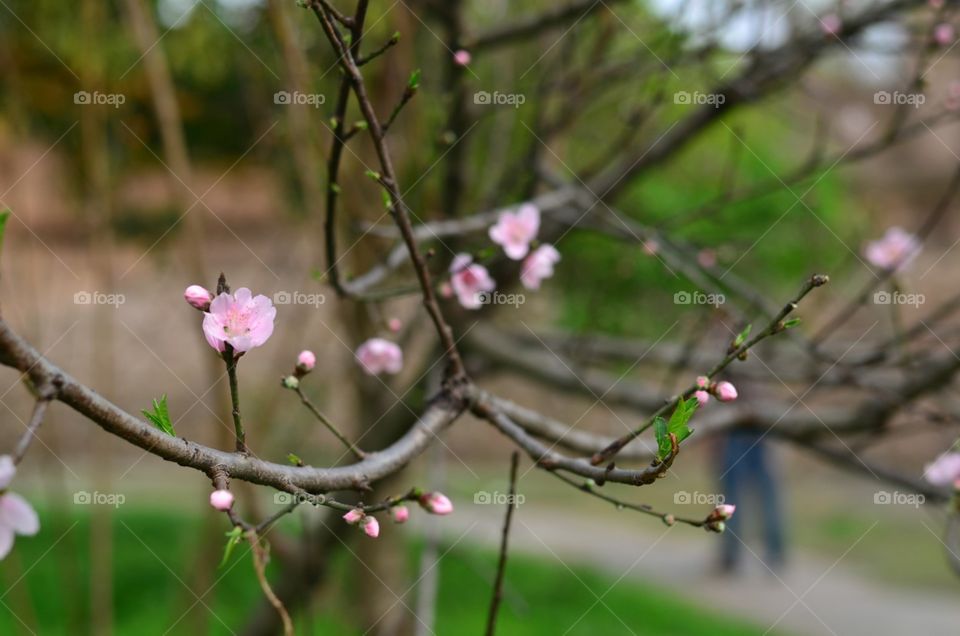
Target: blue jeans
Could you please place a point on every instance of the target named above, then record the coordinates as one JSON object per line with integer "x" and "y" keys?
{"x": 747, "y": 480}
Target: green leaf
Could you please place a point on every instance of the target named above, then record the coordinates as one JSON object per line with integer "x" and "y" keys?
{"x": 160, "y": 416}
{"x": 372, "y": 174}
{"x": 793, "y": 322}
{"x": 294, "y": 459}
{"x": 233, "y": 538}
{"x": 414, "y": 82}
{"x": 742, "y": 337}
{"x": 677, "y": 425}
{"x": 4, "y": 216}
{"x": 663, "y": 438}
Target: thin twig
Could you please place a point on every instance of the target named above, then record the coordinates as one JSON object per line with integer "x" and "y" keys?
{"x": 259, "y": 565}
{"x": 502, "y": 562}
{"x": 39, "y": 409}
{"x": 330, "y": 426}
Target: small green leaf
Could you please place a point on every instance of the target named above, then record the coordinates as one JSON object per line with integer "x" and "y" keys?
{"x": 414, "y": 82}
{"x": 335, "y": 188}
{"x": 663, "y": 438}
{"x": 387, "y": 201}
{"x": 233, "y": 538}
{"x": 361, "y": 125}
{"x": 160, "y": 416}
{"x": 4, "y": 216}
{"x": 742, "y": 337}
{"x": 294, "y": 459}
{"x": 373, "y": 174}
{"x": 793, "y": 322}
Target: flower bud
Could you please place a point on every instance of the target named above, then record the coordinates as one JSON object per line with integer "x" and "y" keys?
{"x": 702, "y": 397}
{"x": 462, "y": 57}
{"x": 306, "y": 361}
{"x": 716, "y": 526}
{"x": 723, "y": 511}
{"x": 198, "y": 297}
{"x": 394, "y": 325}
{"x": 221, "y": 499}
{"x": 400, "y": 514}
{"x": 353, "y": 516}
{"x": 703, "y": 381}
{"x": 371, "y": 527}
{"x": 436, "y": 503}
{"x": 725, "y": 392}
{"x": 291, "y": 382}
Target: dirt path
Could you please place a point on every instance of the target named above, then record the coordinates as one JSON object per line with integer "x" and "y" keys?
{"x": 813, "y": 596}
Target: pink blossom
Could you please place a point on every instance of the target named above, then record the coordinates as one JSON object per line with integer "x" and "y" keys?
{"x": 725, "y": 392}
{"x": 462, "y": 57}
{"x": 306, "y": 361}
{"x": 394, "y": 325}
{"x": 377, "y": 356}
{"x": 651, "y": 247}
{"x": 723, "y": 511}
{"x": 703, "y": 381}
{"x": 702, "y": 397}
{"x": 944, "y": 34}
{"x": 353, "y": 516}
{"x": 895, "y": 250}
{"x": 944, "y": 470}
{"x": 515, "y": 230}
{"x": 831, "y": 24}
{"x": 16, "y": 517}
{"x": 370, "y": 526}
{"x": 7, "y": 470}
{"x": 469, "y": 280}
{"x": 240, "y": 320}
{"x": 539, "y": 266}
{"x": 221, "y": 499}
{"x": 400, "y": 514}
{"x": 436, "y": 503}
{"x": 707, "y": 257}
{"x": 198, "y": 297}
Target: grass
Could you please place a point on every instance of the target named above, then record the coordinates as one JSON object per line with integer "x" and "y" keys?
{"x": 47, "y": 587}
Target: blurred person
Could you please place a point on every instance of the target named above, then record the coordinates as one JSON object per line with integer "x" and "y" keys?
{"x": 747, "y": 479}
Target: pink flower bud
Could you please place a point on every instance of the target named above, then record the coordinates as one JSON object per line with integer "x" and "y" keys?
{"x": 725, "y": 392}
{"x": 707, "y": 257}
{"x": 221, "y": 499}
{"x": 306, "y": 361}
{"x": 400, "y": 514}
{"x": 436, "y": 503}
{"x": 7, "y": 470}
{"x": 462, "y": 57}
{"x": 198, "y": 297}
{"x": 394, "y": 325}
{"x": 371, "y": 527}
{"x": 702, "y": 397}
{"x": 831, "y": 24}
{"x": 353, "y": 516}
{"x": 723, "y": 511}
{"x": 716, "y": 526}
{"x": 703, "y": 381}
{"x": 943, "y": 34}
{"x": 651, "y": 247}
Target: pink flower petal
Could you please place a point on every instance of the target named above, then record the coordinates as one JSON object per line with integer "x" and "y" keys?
{"x": 19, "y": 515}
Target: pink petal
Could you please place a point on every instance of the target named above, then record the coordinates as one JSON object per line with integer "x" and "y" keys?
{"x": 6, "y": 541}
{"x": 16, "y": 513}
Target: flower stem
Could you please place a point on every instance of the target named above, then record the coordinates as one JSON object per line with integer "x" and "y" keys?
{"x": 231, "y": 361}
